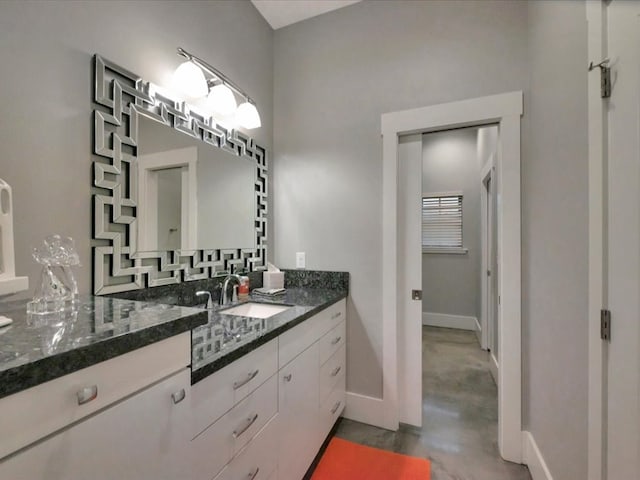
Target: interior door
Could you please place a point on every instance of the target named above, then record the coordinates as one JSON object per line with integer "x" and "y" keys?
{"x": 622, "y": 245}
{"x": 410, "y": 262}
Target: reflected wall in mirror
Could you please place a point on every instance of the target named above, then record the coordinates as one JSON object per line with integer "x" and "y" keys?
{"x": 192, "y": 195}
{"x": 188, "y": 204}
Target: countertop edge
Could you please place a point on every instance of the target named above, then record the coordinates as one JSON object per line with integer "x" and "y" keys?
{"x": 23, "y": 377}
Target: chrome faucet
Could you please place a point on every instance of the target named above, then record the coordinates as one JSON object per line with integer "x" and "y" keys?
{"x": 224, "y": 298}
{"x": 209, "y": 301}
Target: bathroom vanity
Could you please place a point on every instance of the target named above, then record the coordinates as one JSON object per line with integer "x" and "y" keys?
{"x": 135, "y": 390}
{"x": 147, "y": 387}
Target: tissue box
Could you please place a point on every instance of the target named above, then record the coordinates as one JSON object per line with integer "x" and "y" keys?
{"x": 273, "y": 279}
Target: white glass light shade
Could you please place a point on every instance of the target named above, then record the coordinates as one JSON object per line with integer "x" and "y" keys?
{"x": 221, "y": 100}
{"x": 247, "y": 116}
{"x": 190, "y": 80}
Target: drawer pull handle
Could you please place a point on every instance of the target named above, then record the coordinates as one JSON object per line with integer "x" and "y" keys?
{"x": 335, "y": 408}
{"x": 87, "y": 394}
{"x": 288, "y": 377}
{"x": 336, "y": 371}
{"x": 245, "y": 427}
{"x": 336, "y": 340}
{"x": 177, "y": 397}
{"x": 335, "y": 315}
{"x": 250, "y": 376}
{"x": 253, "y": 475}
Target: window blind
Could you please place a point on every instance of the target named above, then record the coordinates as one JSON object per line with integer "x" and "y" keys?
{"x": 442, "y": 221}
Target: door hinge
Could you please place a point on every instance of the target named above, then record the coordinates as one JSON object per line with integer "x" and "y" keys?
{"x": 605, "y": 324}
{"x": 605, "y": 77}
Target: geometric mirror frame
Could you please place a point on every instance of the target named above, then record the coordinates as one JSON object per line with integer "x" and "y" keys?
{"x": 120, "y": 97}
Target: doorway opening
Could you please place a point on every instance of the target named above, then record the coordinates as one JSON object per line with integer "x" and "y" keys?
{"x": 402, "y": 382}
{"x": 459, "y": 231}
{"x": 458, "y": 258}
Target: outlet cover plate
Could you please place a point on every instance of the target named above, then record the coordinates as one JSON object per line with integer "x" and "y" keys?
{"x": 300, "y": 260}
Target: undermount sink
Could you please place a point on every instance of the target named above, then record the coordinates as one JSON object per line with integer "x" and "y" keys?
{"x": 255, "y": 310}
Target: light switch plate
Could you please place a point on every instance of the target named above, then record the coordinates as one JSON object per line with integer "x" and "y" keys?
{"x": 300, "y": 260}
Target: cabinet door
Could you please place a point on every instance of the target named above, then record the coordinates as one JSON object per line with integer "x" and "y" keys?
{"x": 142, "y": 437}
{"x": 298, "y": 414}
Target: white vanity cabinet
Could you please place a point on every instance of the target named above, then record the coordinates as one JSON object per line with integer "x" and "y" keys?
{"x": 265, "y": 416}
{"x": 310, "y": 383}
{"x": 298, "y": 404}
{"x": 143, "y": 435}
{"x": 230, "y": 412}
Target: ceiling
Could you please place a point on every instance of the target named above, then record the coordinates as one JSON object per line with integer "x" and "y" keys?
{"x": 280, "y": 13}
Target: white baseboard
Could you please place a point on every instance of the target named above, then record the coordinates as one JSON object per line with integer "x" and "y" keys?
{"x": 364, "y": 409}
{"x": 479, "y": 332}
{"x": 461, "y": 322}
{"x": 493, "y": 367}
{"x": 533, "y": 458}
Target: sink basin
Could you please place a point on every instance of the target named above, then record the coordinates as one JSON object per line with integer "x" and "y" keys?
{"x": 255, "y": 310}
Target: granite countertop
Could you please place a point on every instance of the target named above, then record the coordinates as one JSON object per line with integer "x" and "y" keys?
{"x": 226, "y": 338}
{"x": 38, "y": 348}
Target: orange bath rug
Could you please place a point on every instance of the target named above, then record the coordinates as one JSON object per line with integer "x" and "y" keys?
{"x": 345, "y": 460}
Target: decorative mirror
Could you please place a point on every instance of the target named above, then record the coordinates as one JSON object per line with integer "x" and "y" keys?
{"x": 176, "y": 197}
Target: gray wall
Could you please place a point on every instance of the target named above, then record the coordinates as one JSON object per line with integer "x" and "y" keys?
{"x": 451, "y": 282}
{"x": 334, "y": 76}
{"x": 45, "y": 135}
{"x": 555, "y": 233}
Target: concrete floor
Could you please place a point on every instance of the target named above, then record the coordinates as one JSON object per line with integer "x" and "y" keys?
{"x": 460, "y": 414}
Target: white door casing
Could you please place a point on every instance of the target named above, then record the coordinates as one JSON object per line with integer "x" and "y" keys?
{"x": 506, "y": 110}
{"x": 148, "y": 165}
{"x": 486, "y": 227}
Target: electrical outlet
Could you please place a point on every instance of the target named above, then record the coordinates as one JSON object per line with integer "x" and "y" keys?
{"x": 300, "y": 260}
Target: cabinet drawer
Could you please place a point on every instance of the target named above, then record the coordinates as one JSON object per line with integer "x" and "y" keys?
{"x": 331, "y": 342}
{"x": 335, "y": 313}
{"x": 218, "y": 393}
{"x": 257, "y": 460}
{"x": 295, "y": 341}
{"x": 299, "y": 338}
{"x": 38, "y": 411}
{"x": 331, "y": 409}
{"x": 213, "y": 448}
{"x": 142, "y": 437}
{"x": 332, "y": 372}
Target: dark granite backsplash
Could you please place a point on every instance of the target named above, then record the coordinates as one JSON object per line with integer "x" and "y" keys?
{"x": 185, "y": 293}
{"x": 316, "y": 279}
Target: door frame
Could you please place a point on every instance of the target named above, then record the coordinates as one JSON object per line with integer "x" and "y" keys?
{"x": 486, "y": 203}
{"x": 148, "y": 165}
{"x": 505, "y": 110}
{"x": 596, "y": 30}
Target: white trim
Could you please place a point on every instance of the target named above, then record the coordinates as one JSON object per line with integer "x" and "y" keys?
{"x": 493, "y": 368}
{"x": 445, "y": 320}
{"x": 533, "y": 458}
{"x": 506, "y": 110}
{"x": 479, "y": 332}
{"x": 364, "y": 409}
{"x": 486, "y": 174}
{"x": 596, "y": 21}
{"x": 147, "y": 193}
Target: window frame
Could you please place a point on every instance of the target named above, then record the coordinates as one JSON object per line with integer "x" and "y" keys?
{"x": 446, "y": 249}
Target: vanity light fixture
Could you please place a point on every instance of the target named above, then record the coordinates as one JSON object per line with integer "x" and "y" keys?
{"x": 189, "y": 78}
{"x": 190, "y": 81}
